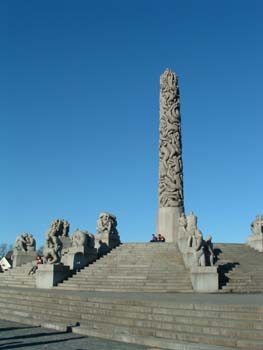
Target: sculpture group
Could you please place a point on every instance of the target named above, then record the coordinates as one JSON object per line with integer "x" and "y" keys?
{"x": 59, "y": 247}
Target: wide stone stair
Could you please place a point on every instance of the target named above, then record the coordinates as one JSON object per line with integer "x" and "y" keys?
{"x": 240, "y": 268}
{"x": 18, "y": 277}
{"x": 138, "y": 267}
{"x": 157, "y": 320}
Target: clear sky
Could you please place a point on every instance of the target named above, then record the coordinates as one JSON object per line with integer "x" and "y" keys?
{"x": 79, "y": 110}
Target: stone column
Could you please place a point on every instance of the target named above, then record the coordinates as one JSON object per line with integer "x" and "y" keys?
{"x": 171, "y": 198}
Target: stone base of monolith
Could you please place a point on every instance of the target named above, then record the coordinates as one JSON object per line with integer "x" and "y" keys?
{"x": 168, "y": 222}
{"x": 255, "y": 242}
{"x": 78, "y": 257}
{"x": 49, "y": 275}
{"x": 21, "y": 258}
{"x": 204, "y": 279}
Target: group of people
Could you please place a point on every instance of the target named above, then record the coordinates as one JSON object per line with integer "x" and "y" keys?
{"x": 157, "y": 238}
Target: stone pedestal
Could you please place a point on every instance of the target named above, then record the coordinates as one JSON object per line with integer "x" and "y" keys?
{"x": 204, "y": 279}
{"x": 21, "y": 258}
{"x": 168, "y": 222}
{"x": 77, "y": 258}
{"x": 49, "y": 275}
{"x": 111, "y": 240}
{"x": 189, "y": 257}
{"x": 256, "y": 242}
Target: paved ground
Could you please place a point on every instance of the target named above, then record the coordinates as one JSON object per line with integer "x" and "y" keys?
{"x": 23, "y": 337}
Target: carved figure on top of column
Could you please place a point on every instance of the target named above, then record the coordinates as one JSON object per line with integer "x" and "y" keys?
{"x": 257, "y": 225}
{"x": 255, "y": 240}
{"x": 25, "y": 242}
{"x": 170, "y": 148}
{"x": 107, "y": 231}
{"x": 82, "y": 239}
{"x": 107, "y": 223}
{"x": 61, "y": 227}
{"x": 65, "y": 228}
{"x": 53, "y": 244}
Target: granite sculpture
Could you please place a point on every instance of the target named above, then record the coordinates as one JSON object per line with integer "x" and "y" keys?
{"x": 198, "y": 255}
{"x": 195, "y": 241}
{"x": 83, "y": 239}
{"x": 171, "y": 197}
{"x": 81, "y": 250}
{"x": 255, "y": 240}
{"x": 24, "y": 249}
{"x": 25, "y": 242}
{"x": 196, "y": 250}
{"x": 107, "y": 231}
{"x": 53, "y": 245}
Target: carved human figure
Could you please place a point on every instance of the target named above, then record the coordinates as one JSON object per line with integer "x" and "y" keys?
{"x": 25, "y": 242}
{"x": 53, "y": 244}
{"x": 21, "y": 243}
{"x": 191, "y": 223}
{"x": 61, "y": 227}
{"x": 79, "y": 239}
{"x": 65, "y": 228}
{"x": 107, "y": 223}
{"x": 257, "y": 225}
{"x": 182, "y": 233}
{"x": 31, "y": 242}
{"x": 195, "y": 240}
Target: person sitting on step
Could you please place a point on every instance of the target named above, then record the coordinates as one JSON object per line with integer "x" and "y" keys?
{"x": 154, "y": 238}
{"x": 34, "y": 268}
{"x": 161, "y": 238}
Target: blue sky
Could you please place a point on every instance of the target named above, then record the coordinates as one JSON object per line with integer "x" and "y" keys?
{"x": 79, "y": 112}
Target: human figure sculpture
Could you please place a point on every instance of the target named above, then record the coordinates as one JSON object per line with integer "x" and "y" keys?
{"x": 107, "y": 223}
{"x": 25, "y": 242}
{"x": 255, "y": 240}
{"x": 53, "y": 245}
{"x": 61, "y": 227}
{"x": 82, "y": 239}
{"x": 65, "y": 228}
{"x": 182, "y": 233}
{"x": 195, "y": 240}
{"x": 257, "y": 225}
{"x": 31, "y": 243}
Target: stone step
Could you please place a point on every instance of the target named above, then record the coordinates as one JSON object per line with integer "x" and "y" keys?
{"x": 236, "y": 326}
{"x": 189, "y": 336}
{"x": 252, "y": 315}
{"x": 138, "y": 267}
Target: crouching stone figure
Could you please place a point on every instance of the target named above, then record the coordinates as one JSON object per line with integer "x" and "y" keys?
{"x": 53, "y": 244}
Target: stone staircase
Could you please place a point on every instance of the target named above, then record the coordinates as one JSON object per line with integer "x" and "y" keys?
{"x": 240, "y": 268}
{"x": 162, "y": 321}
{"x": 18, "y": 277}
{"x": 138, "y": 267}
{"x": 154, "y": 267}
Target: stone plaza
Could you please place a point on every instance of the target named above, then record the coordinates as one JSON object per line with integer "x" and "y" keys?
{"x": 96, "y": 293}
